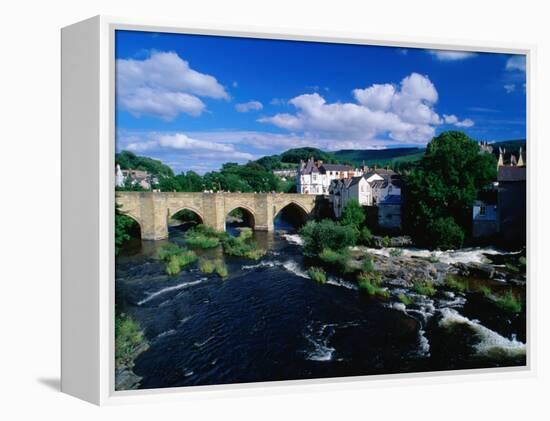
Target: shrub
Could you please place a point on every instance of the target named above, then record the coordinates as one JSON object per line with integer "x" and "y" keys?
{"x": 456, "y": 284}
{"x": 365, "y": 236}
{"x": 396, "y": 252}
{"x": 370, "y": 284}
{"x": 317, "y": 274}
{"x": 425, "y": 288}
{"x": 206, "y": 230}
{"x": 221, "y": 269}
{"x": 353, "y": 214}
{"x": 317, "y": 235}
{"x": 128, "y": 339}
{"x": 167, "y": 251}
{"x": 386, "y": 241}
{"x": 238, "y": 248}
{"x": 404, "y": 299}
{"x": 210, "y": 266}
{"x": 201, "y": 241}
{"x": 207, "y": 266}
{"x": 202, "y": 236}
{"x": 245, "y": 234}
{"x": 178, "y": 261}
{"x": 509, "y": 302}
{"x": 445, "y": 233}
{"x": 173, "y": 267}
{"x": 337, "y": 261}
{"x": 373, "y": 278}
{"x": 367, "y": 265}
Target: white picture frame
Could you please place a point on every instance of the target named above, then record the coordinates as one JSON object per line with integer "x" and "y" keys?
{"x": 88, "y": 132}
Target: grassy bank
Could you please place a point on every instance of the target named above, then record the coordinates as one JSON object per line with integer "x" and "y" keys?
{"x": 129, "y": 341}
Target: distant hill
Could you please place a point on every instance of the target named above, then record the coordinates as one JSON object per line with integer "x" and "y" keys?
{"x": 129, "y": 160}
{"x": 380, "y": 157}
{"x": 397, "y": 158}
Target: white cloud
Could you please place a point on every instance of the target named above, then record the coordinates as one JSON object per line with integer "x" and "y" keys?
{"x": 249, "y": 106}
{"x": 509, "y": 88}
{"x": 516, "y": 63}
{"x": 453, "y": 120}
{"x": 190, "y": 146}
{"x": 404, "y": 113}
{"x": 377, "y": 97}
{"x": 444, "y": 55}
{"x": 164, "y": 85}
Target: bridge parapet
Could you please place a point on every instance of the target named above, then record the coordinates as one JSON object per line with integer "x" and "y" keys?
{"x": 152, "y": 210}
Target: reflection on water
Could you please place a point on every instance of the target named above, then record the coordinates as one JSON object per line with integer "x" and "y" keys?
{"x": 268, "y": 321}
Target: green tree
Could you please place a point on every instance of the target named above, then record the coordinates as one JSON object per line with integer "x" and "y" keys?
{"x": 129, "y": 160}
{"x": 320, "y": 235}
{"x": 123, "y": 224}
{"x": 353, "y": 214}
{"x": 445, "y": 185}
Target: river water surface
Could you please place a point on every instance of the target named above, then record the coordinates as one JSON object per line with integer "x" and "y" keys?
{"x": 268, "y": 321}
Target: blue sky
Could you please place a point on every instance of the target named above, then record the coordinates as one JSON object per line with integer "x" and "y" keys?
{"x": 197, "y": 101}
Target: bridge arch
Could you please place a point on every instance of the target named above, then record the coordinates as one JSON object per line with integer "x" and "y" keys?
{"x": 172, "y": 213}
{"x": 294, "y": 213}
{"x": 249, "y": 216}
{"x": 137, "y": 230}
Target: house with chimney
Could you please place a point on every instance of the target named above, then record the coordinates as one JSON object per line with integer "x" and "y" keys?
{"x": 371, "y": 190}
{"x": 314, "y": 177}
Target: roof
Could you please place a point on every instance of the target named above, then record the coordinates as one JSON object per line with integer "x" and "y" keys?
{"x": 378, "y": 184}
{"x": 336, "y": 167}
{"x": 355, "y": 180}
{"x": 309, "y": 168}
{"x": 391, "y": 199}
{"x": 512, "y": 174}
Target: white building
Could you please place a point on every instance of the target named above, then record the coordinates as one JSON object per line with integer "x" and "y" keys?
{"x": 369, "y": 189}
{"x": 315, "y": 177}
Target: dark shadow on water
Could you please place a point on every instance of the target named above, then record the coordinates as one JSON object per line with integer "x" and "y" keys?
{"x": 52, "y": 383}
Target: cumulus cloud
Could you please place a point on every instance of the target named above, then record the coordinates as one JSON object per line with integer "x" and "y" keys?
{"x": 164, "y": 85}
{"x": 403, "y": 113}
{"x": 174, "y": 142}
{"x": 249, "y": 106}
{"x": 444, "y": 55}
{"x": 453, "y": 119}
{"x": 516, "y": 63}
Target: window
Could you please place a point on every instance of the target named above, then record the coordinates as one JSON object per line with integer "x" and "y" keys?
{"x": 482, "y": 210}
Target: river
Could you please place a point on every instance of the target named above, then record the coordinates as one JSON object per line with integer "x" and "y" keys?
{"x": 268, "y": 321}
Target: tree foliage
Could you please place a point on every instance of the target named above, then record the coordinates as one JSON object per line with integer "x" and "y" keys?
{"x": 123, "y": 224}
{"x": 129, "y": 160}
{"x": 353, "y": 214}
{"x": 443, "y": 188}
{"x": 326, "y": 234}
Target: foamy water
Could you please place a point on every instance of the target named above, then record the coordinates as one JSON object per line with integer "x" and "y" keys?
{"x": 468, "y": 255}
{"x": 152, "y": 295}
{"x": 294, "y": 239}
{"x": 490, "y": 342}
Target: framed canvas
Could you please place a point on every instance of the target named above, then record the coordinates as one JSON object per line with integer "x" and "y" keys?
{"x": 293, "y": 210}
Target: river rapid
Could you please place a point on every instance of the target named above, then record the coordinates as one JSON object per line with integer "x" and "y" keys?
{"x": 268, "y": 321}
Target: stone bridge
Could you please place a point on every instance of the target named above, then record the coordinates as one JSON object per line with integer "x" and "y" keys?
{"x": 152, "y": 210}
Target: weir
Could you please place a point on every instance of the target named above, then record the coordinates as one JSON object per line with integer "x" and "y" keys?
{"x": 152, "y": 210}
